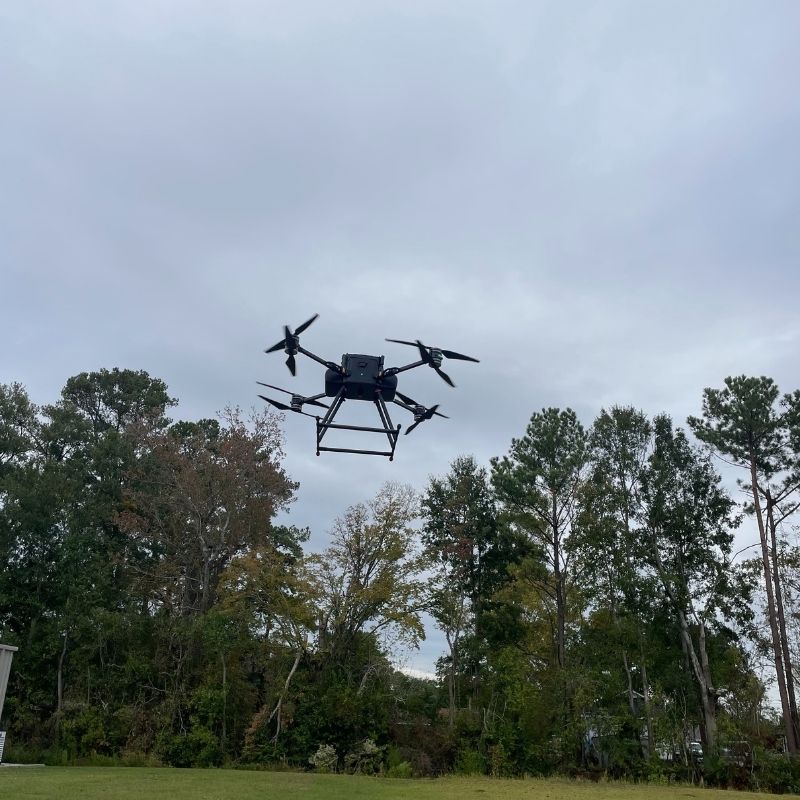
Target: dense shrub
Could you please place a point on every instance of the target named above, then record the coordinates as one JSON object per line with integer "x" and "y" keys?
{"x": 365, "y": 759}
{"x": 401, "y": 770}
{"x": 775, "y": 772}
{"x": 429, "y": 747}
{"x": 325, "y": 758}
{"x": 470, "y": 762}
{"x": 197, "y": 748}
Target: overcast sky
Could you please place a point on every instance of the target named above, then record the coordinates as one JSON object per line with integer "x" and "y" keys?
{"x": 601, "y": 201}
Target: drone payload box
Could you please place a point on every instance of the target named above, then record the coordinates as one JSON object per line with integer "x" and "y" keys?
{"x": 361, "y": 379}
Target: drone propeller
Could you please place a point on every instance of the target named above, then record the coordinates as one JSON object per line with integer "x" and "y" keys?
{"x": 427, "y": 414}
{"x": 420, "y": 412}
{"x": 408, "y": 401}
{"x": 290, "y": 343}
{"x": 303, "y": 400}
{"x": 284, "y": 407}
{"x": 430, "y": 356}
{"x": 445, "y": 353}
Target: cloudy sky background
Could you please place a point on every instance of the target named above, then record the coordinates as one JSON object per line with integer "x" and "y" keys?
{"x": 600, "y": 201}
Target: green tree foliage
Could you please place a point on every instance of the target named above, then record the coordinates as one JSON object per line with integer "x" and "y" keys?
{"x": 538, "y": 485}
{"x": 619, "y": 592}
{"x": 60, "y": 539}
{"x": 469, "y": 552}
{"x": 201, "y": 493}
{"x": 687, "y": 535}
{"x": 745, "y": 423}
{"x": 584, "y": 586}
{"x": 106, "y": 588}
{"x": 369, "y": 576}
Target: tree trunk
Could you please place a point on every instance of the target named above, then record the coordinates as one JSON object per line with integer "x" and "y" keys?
{"x": 451, "y": 683}
{"x": 648, "y": 711}
{"x": 629, "y": 677}
{"x": 777, "y": 648}
{"x": 60, "y": 688}
{"x": 60, "y": 677}
{"x": 699, "y": 666}
{"x": 561, "y": 610}
{"x": 710, "y": 699}
{"x": 277, "y": 710}
{"x": 224, "y": 700}
{"x": 703, "y": 676}
{"x": 787, "y": 659}
{"x": 205, "y": 595}
{"x": 561, "y": 614}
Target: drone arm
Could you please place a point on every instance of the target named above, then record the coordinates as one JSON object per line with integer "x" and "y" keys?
{"x": 315, "y": 397}
{"x": 328, "y": 364}
{"x": 395, "y": 370}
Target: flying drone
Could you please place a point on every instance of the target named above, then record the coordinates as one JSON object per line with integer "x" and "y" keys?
{"x": 359, "y": 377}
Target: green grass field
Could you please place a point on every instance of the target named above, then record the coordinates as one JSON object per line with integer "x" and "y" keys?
{"x": 120, "y": 783}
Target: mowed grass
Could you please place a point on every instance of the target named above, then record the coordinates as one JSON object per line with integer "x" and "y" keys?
{"x": 139, "y": 783}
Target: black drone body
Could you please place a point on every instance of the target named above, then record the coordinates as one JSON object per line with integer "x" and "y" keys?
{"x": 360, "y": 377}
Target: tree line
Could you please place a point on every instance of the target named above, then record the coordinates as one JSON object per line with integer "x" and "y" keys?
{"x": 596, "y": 616}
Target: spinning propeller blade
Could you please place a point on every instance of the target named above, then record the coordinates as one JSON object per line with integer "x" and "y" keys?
{"x": 289, "y": 343}
{"x": 305, "y": 325}
{"x": 424, "y": 352}
{"x": 284, "y": 407}
{"x": 444, "y": 376}
{"x": 413, "y": 425}
{"x": 305, "y": 400}
{"x": 445, "y": 353}
{"x": 425, "y": 355}
{"x": 277, "y": 388}
{"x": 406, "y": 399}
{"x": 429, "y": 412}
{"x": 459, "y": 356}
{"x": 276, "y": 403}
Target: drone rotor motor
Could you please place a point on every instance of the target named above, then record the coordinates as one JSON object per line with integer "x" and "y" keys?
{"x": 292, "y": 343}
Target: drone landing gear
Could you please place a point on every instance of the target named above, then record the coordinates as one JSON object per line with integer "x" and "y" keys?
{"x": 326, "y": 423}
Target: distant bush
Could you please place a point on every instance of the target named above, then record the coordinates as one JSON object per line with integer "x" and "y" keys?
{"x": 366, "y": 759}
{"x": 401, "y": 770}
{"x": 776, "y": 772}
{"x": 470, "y": 762}
{"x": 325, "y": 759}
{"x": 136, "y": 758}
{"x": 430, "y": 749}
{"x": 198, "y": 748}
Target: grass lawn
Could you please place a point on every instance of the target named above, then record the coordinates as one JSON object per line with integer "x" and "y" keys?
{"x": 140, "y": 783}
